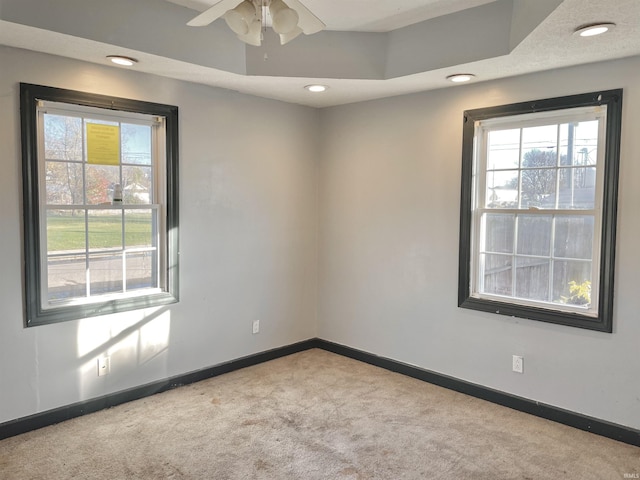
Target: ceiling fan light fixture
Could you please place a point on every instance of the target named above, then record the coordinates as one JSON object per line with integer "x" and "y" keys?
{"x": 239, "y": 19}
{"x": 461, "y": 77}
{"x": 121, "y": 60}
{"x": 254, "y": 36}
{"x": 287, "y": 37}
{"x": 593, "y": 29}
{"x": 283, "y": 19}
{"x": 316, "y": 88}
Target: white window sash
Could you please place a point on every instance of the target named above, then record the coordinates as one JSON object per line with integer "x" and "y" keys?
{"x": 482, "y": 129}
{"x": 158, "y": 199}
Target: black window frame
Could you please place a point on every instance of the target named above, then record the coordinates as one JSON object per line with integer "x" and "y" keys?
{"x": 30, "y": 95}
{"x": 603, "y": 322}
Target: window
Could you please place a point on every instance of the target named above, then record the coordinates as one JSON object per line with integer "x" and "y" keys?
{"x": 100, "y": 177}
{"x": 538, "y": 209}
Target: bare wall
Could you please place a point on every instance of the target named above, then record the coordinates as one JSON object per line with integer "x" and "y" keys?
{"x": 248, "y": 212}
{"x": 389, "y": 222}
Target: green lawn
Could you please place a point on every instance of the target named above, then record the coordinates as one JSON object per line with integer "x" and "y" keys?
{"x": 66, "y": 232}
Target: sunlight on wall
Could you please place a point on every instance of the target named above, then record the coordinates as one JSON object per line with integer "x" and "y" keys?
{"x": 154, "y": 338}
{"x": 132, "y": 340}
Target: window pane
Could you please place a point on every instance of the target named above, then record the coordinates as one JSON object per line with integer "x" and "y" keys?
{"x": 105, "y": 271}
{"x": 141, "y": 270}
{"x": 105, "y": 229}
{"x": 585, "y": 151}
{"x": 497, "y": 274}
{"x": 65, "y": 230}
{"x": 534, "y": 235}
{"x": 539, "y": 146}
{"x": 64, "y": 183}
{"x": 62, "y": 138}
{"x": 574, "y": 237}
{"x": 100, "y": 182}
{"x": 136, "y": 144}
{"x": 499, "y": 231}
{"x": 538, "y": 188}
{"x": 67, "y": 277}
{"x": 137, "y": 185}
{"x": 572, "y": 282}
{"x": 577, "y": 188}
{"x": 532, "y": 278}
{"x": 504, "y": 149}
{"x": 139, "y": 228}
{"x": 502, "y": 189}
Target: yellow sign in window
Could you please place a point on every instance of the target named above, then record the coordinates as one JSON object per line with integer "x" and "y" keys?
{"x": 103, "y": 144}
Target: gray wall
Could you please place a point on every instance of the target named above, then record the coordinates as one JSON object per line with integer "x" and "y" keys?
{"x": 389, "y": 222}
{"x": 248, "y": 174}
{"x": 382, "y": 181}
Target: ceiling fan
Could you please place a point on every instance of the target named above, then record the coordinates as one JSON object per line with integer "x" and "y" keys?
{"x": 247, "y": 18}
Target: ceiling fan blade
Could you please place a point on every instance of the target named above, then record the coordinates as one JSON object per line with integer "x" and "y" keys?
{"x": 308, "y": 22}
{"x": 213, "y": 13}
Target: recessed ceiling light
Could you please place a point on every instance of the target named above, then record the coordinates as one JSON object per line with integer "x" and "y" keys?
{"x": 460, "y": 77}
{"x": 120, "y": 60}
{"x": 316, "y": 88}
{"x": 594, "y": 29}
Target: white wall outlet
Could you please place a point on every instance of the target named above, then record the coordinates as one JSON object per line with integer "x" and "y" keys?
{"x": 256, "y": 326}
{"x": 518, "y": 364}
{"x": 104, "y": 366}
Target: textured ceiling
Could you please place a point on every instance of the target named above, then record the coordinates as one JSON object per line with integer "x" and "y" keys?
{"x": 371, "y": 49}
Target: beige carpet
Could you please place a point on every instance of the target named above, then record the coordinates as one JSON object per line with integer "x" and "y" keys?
{"x": 313, "y": 415}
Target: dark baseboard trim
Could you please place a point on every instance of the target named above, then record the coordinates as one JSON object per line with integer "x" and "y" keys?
{"x": 566, "y": 417}
{"x": 57, "y": 415}
{"x": 549, "y": 412}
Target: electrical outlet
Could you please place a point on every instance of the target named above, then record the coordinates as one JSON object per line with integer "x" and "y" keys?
{"x": 104, "y": 366}
{"x": 518, "y": 364}
{"x": 256, "y": 326}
